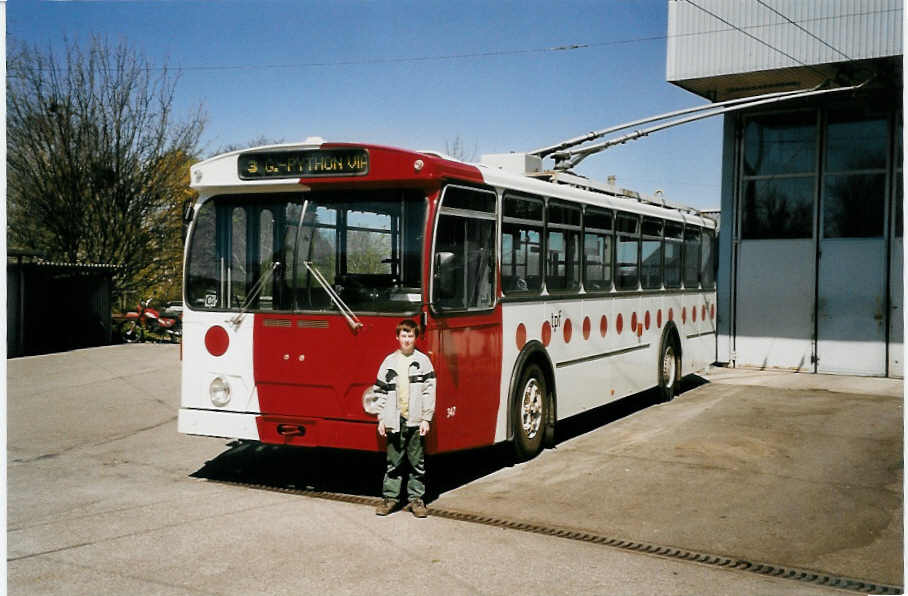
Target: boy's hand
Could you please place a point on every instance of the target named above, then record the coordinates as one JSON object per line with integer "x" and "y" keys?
{"x": 381, "y": 428}
{"x": 423, "y": 428}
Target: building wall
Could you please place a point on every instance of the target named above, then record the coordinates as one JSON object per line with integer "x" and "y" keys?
{"x": 810, "y": 250}
{"x": 703, "y": 40}
{"x": 54, "y": 309}
{"x": 725, "y": 252}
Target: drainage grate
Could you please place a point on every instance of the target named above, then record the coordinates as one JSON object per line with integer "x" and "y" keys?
{"x": 778, "y": 571}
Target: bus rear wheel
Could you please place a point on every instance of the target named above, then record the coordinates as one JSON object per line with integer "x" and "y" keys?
{"x": 531, "y": 411}
{"x": 669, "y": 370}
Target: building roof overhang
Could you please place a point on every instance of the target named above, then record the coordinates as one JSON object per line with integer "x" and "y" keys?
{"x": 883, "y": 72}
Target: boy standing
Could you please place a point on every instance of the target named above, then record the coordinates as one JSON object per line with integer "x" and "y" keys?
{"x": 407, "y": 380}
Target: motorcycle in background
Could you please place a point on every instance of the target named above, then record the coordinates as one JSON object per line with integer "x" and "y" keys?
{"x": 147, "y": 324}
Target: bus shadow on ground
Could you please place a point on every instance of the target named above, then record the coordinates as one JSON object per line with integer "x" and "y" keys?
{"x": 360, "y": 473}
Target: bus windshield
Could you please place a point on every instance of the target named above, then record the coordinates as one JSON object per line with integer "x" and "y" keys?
{"x": 249, "y": 252}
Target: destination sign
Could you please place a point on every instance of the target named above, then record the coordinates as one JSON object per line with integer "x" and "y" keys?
{"x": 303, "y": 164}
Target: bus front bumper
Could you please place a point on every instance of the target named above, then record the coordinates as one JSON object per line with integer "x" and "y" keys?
{"x": 281, "y": 430}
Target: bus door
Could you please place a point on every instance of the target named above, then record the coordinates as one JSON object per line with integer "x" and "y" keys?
{"x": 464, "y": 337}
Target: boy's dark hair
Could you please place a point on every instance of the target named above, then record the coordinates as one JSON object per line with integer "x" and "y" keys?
{"x": 409, "y": 326}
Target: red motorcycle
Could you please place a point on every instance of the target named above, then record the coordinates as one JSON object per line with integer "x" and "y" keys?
{"x": 147, "y": 324}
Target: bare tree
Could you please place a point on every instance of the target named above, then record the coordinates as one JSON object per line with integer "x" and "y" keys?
{"x": 259, "y": 141}
{"x": 97, "y": 160}
{"x": 456, "y": 150}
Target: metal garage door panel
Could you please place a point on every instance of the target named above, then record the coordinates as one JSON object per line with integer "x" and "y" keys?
{"x": 774, "y": 306}
{"x": 851, "y": 317}
{"x": 896, "y": 310}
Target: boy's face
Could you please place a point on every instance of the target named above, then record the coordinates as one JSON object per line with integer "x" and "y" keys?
{"x": 407, "y": 341}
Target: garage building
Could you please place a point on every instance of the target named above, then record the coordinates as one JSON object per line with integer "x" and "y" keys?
{"x": 810, "y": 256}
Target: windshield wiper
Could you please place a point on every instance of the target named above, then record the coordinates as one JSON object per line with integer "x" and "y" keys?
{"x": 348, "y": 313}
{"x": 254, "y": 293}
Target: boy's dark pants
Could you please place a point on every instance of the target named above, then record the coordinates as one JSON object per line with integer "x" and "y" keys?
{"x": 405, "y": 446}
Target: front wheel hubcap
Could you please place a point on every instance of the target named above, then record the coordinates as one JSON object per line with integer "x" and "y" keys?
{"x": 668, "y": 366}
{"x": 531, "y": 408}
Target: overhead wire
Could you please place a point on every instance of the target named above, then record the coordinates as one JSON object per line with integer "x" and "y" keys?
{"x": 560, "y": 48}
{"x": 811, "y": 34}
{"x": 524, "y": 51}
{"x": 757, "y": 39}
{"x": 567, "y": 155}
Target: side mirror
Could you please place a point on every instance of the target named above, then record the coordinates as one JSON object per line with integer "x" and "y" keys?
{"x": 445, "y": 276}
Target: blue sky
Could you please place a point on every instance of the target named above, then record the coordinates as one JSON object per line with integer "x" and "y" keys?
{"x": 415, "y": 74}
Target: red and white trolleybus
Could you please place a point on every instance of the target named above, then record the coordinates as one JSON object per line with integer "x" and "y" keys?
{"x": 540, "y": 295}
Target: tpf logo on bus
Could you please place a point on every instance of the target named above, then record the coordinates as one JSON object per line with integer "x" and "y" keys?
{"x": 555, "y": 319}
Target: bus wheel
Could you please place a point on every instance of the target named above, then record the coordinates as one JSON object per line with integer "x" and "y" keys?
{"x": 530, "y": 413}
{"x": 669, "y": 370}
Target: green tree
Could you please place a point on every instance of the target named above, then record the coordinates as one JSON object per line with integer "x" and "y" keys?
{"x": 368, "y": 252}
{"x": 98, "y": 161}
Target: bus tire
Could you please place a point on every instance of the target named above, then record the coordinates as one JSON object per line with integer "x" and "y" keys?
{"x": 669, "y": 368}
{"x": 531, "y": 412}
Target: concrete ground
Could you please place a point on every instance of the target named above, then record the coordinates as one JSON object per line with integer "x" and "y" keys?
{"x": 793, "y": 469}
{"x": 105, "y": 497}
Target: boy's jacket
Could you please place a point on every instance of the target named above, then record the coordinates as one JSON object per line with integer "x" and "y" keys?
{"x": 422, "y": 391}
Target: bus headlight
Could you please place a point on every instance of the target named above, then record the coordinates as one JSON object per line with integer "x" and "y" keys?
{"x": 219, "y": 391}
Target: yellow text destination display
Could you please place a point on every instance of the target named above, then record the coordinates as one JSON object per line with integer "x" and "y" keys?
{"x": 303, "y": 164}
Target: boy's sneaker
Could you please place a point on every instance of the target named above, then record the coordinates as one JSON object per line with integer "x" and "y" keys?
{"x": 386, "y": 506}
{"x": 418, "y": 508}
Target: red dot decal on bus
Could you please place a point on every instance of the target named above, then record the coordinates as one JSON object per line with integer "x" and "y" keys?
{"x": 683, "y": 314}
{"x": 619, "y": 324}
{"x": 603, "y": 326}
{"x": 521, "y": 336}
{"x": 217, "y": 340}
{"x": 693, "y": 314}
{"x": 634, "y": 323}
{"x": 586, "y": 327}
{"x": 703, "y": 312}
{"x": 712, "y": 311}
{"x": 671, "y": 315}
{"x": 568, "y": 331}
{"x": 546, "y": 334}
{"x": 659, "y": 318}
{"x": 646, "y": 320}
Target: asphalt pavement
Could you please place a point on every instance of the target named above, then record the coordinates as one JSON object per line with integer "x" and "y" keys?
{"x": 105, "y": 497}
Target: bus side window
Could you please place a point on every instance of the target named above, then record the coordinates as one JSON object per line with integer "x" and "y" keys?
{"x": 651, "y": 254}
{"x": 204, "y": 262}
{"x": 464, "y": 259}
{"x": 562, "y": 247}
{"x": 691, "y": 257}
{"x": 597, "y": 250}
{"x": 521, "y": 245}
{"x": 674, "y": 237}
{"x": 627, "y": 274}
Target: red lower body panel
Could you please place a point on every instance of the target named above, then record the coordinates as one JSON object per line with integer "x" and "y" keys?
{"x": 319, "y": 432}
{"x": 311, "y": 372}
